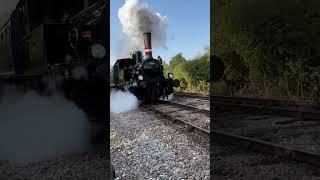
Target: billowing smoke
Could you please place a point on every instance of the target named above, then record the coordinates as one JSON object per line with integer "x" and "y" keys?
{"x": 34, "y": 128}
{"x": 137, "y": 19}
{"x": 122, "y": 102}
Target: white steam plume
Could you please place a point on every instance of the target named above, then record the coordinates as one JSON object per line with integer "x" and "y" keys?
{"x": 34, "y": 128}
{"x": 137, "y": 19}
{"x": 123, "y": 102}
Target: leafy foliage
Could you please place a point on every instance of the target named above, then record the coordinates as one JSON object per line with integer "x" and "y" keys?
{"x": 270, "y": 48}
{"x": 194, "y": 74}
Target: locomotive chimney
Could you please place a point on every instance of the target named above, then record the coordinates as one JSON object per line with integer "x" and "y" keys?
{"x": 147, "y": 45}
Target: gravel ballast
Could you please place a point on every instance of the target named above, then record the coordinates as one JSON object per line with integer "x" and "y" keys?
{"x": 144, "y": 146}
{"x": 231, "y": 162}
{"x": 194, "y": 102}
{"x": 91, "y": 165}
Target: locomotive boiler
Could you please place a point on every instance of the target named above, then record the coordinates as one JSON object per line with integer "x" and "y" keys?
{"x": 143, "y": 76}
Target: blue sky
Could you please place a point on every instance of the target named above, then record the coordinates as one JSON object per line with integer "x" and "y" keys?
{"x": 188, "y": 26}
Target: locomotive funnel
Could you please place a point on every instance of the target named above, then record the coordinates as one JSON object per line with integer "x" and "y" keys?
{"x": 147, "y": 45}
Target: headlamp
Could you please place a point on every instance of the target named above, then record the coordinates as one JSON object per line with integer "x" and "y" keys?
{"x": 170, "y": 75}
{"x": 98, "y": 51}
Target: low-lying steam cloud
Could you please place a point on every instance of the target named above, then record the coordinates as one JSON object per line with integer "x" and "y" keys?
{"x": 164, "y": 98}
{"x": 34, "y": 128}
{"x": 137, "y": 19}
{"x": 123, "y": 102}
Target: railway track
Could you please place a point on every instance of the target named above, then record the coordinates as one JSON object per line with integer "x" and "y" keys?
{"x": 286, "y": 129}
{"x": 192, "y": 95}
{"x": 191, "y": 118}
{"x": 146, "y": 145}
{"x": 299, "y": 109}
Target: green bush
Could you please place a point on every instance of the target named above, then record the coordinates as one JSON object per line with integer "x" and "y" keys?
{"x": 194, "y": 74}
{"x": 270, "y": 48}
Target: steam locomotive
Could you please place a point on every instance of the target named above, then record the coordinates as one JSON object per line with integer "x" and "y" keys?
{"x": 45, "y": 40}
{"x": 50, "y": 45}
{"x": 56, "y": 45}
{"x": 144, "y": 76}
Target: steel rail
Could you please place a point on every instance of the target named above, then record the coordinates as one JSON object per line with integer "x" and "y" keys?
{"x": 251, "y": 144}
{"x": 266, "y": 147}
{"x": 194, "y": 128}
{"x": 186, "y": 107}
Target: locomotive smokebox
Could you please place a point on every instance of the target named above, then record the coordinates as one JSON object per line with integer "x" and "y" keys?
{"x": 147, "y": 45}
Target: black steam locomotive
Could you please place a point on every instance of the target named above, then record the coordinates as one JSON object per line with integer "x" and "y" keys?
{"x": 144, "y": 76}
{"x": 47, "y": 39}
{"x": 59, "y": 45}
{"x": 49, "y": 45}
{"x": 56, "y": 45}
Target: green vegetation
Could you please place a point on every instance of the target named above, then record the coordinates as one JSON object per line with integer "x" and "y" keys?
{"x": 271, "y": 48}
{"x": 194, "y": 74}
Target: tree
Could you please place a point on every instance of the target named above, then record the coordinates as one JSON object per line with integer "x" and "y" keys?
{"x": 194, "y": 74}
{"x": 274, "y": 41}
